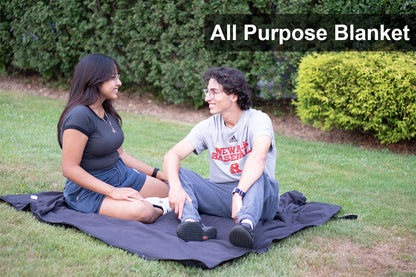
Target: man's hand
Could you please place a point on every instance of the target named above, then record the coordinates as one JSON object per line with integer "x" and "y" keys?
{"x": 177, "y": 198}
{"x": 236, "y": 206}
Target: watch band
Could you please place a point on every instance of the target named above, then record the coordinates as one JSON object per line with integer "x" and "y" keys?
{"x": 155, "y": 172}
{"x": 239, "y": 191}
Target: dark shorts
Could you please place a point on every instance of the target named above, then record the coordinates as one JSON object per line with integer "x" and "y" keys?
{"x": 87, "y": 201}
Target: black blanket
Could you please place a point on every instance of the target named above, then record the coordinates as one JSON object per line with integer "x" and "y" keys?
{"x": 159, "y": 240}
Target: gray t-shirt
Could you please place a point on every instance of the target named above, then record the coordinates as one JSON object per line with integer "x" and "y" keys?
{"x": 100, "y": 152}
{"x": 229, "y": 147}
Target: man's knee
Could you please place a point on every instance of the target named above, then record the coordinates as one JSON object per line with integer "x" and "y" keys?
{"x": 184, "y": 172}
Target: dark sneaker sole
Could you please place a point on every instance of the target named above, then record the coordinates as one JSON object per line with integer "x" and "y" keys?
{"x": 194, "y": 231}
{"x": 240, "y": 236}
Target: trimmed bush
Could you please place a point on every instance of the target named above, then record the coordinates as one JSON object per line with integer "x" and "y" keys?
{"x": 287, "y": 63}
{"x": 5, "y": 49}
{"x": 370, "y": 91}
{"x": 159, "y": 44}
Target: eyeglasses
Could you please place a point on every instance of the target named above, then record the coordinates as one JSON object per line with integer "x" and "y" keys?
{"x": 212, "y": 93}
{"x": 115, "y": 77}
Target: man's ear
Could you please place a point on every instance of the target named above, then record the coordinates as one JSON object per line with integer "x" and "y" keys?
{"x": 234, "y": 98}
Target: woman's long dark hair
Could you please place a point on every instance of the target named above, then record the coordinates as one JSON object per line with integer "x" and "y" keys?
{"x": 91, "y": 71}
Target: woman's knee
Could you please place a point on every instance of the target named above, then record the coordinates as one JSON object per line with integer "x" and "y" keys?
{"x": 145, "y": 213}
{"x": 138, "y": 210}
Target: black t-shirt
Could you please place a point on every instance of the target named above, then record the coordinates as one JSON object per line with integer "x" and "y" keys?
{"x": 100, "y": 152}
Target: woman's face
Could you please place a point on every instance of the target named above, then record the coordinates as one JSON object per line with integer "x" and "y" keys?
{"x": 109, "y": 89}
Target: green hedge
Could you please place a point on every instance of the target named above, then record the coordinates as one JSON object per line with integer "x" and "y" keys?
{"x": 369, "y": 91}
{"x": 159, "y": 44}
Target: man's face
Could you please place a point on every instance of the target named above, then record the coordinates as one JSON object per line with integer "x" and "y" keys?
{"x": 218, "y": 100}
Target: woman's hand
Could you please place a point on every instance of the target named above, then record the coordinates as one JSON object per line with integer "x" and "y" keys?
{"x": 128, "y": 194}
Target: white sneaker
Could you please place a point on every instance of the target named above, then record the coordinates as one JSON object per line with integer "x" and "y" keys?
{"x": 162, "y": 203}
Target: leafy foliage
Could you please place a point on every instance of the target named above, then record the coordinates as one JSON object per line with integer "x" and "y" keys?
{"x": 287, "y": 63}
{"x": 5, "y": 49}
{"x": 159, "y": 44}
{"x": 370, "y": 91}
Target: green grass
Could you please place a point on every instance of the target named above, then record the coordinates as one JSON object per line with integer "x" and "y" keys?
{"x": 378, "y": 186}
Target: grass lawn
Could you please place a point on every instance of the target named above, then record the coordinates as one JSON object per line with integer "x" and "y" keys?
{"x": 378, "y": 186}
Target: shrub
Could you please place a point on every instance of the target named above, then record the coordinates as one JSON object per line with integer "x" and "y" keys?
{"x": 370, "y": 91}
{"x": 5, "y": 49}
{"x": 157, "y": 43}
{"x": 287, "y": 63}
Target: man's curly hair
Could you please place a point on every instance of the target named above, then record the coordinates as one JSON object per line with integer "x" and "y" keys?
{"x": 233, "y": 82}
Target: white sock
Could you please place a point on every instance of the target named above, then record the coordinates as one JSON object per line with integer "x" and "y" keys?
{"x": 162, "y": 203}
{"x": 248, "y": 221}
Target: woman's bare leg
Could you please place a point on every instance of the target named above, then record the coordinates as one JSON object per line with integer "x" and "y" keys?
{"x": 154, "y": 187}
{"x": 139, "y": 210}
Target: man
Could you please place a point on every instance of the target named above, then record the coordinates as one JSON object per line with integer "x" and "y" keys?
{"x": 242, "y": 151}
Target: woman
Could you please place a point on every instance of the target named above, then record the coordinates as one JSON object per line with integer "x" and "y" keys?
{"x": 101, "y": 177}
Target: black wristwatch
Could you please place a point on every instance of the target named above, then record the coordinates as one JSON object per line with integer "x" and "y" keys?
{"x": 239, "y": 191}
{"x": 155, "y": 172}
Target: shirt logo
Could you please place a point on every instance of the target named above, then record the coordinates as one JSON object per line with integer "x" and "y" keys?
{"x": 232, "y": 139}
{"x": 231, "y": 153}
